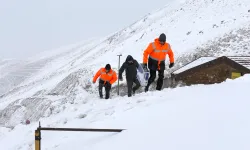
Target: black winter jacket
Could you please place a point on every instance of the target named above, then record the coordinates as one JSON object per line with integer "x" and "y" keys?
{"x": 130, "y": 66}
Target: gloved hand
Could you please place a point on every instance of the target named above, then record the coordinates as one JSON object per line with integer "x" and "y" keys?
{"x": 145, "y": 65}
{"x": 120, "y": 78}
{"x": 93, "y": 82}
{"x": 107, "y": 84}
{"x": 171, "y": 65}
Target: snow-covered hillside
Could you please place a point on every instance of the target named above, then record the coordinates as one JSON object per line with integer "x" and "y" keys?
{"x": 55, "y": 80}
{"x": 6, "y": 67}
{"x": 14, "y": 72}
{"x": 191, "y": 118}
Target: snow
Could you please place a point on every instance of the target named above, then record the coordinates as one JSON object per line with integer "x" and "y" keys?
{"x": 195, "y": 117}
{"x": 201, "y": 117}
{"x": 195, "y": 63}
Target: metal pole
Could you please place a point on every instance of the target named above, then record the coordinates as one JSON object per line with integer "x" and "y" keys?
{"x": 118, "y": 92}
{"x": 81, "y": 129}
{"x": 39, "y": 129}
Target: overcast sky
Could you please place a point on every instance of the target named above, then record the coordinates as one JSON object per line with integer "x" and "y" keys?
{"x": 31, "y": 26}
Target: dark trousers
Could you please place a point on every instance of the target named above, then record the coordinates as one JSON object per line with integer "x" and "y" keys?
{"x": 107, "y": 89}
{"x": 130, "y": 86}
{"x": 152, "y": 78}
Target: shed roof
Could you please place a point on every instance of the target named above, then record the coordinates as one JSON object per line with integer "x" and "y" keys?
{"x": 194, "y": 63}
{"x": 242, "y": 60}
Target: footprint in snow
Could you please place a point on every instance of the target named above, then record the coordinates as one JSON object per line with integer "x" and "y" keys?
{"x": 139, "y": 101}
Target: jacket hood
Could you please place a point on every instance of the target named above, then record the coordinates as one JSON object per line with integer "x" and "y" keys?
{"x": 129, "y": 58}
{"x": 107, "y": 67}
{"x": 157, "y": 40}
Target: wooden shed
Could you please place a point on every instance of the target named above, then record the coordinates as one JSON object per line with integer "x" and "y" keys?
{"x": 209, "y": 70}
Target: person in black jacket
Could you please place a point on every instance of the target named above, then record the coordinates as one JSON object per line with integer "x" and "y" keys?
{"x": 130, "y": 66}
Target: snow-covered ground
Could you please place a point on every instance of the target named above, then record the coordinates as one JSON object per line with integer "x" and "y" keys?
{"x": 191, "y": 118}
{"x": 56, "y": 87}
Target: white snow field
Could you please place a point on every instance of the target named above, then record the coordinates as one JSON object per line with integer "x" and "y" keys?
{"x": 193, "y": 28}
{"x": 55, "y": 87}
{"x": 192, "y": 118}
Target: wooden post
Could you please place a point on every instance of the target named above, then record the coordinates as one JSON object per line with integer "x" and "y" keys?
{"x": 38, "y": 140}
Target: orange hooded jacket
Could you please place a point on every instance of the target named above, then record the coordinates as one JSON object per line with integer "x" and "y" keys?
{"x": 158, "y": 52}
{"x": 111, "y": 76}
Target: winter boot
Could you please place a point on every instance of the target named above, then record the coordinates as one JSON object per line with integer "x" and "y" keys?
{"x": 146, "y": 88}
{"x": 133, "y": 91}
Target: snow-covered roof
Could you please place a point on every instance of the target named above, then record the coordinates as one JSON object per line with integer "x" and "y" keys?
{"x": 195, "y": 63}
{"x": 243, "y": 60}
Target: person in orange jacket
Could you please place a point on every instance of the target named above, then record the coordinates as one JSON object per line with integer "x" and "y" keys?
{"x": 154, "y": 58}
{"x": 107, "y": 78}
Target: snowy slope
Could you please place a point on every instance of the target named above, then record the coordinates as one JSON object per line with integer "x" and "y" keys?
{"x": 234, "y": 43}
{"x": 55, "y": 87}
{"x": 7, "y": 66}
{"x": 62, "y": 77}
{"x": 190, "y": 118}
{"x": 14, "y": 72}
